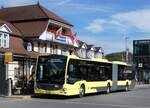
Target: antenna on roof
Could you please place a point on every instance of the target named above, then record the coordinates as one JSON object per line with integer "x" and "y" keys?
{"x": 38, "y": 2}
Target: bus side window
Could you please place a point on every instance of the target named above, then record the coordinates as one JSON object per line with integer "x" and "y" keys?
{"x": 41, "y": 72}
{"x": 73, "y": 71}
{"x": 71, "y": 68}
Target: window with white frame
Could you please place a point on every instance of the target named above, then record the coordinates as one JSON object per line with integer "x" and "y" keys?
{"x": 4, "y": 40}
{"x": 55, "y": 49}
{"x": 0, "y": 39}
{"x": 42, "y": 47}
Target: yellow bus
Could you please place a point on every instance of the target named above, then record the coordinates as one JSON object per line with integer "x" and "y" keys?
{"x": 71, "y": 75}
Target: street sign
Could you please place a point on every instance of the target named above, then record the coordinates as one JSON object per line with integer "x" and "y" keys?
{"x": 8, "y": 57}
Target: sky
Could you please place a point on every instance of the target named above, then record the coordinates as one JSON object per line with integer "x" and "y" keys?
{"x": 102, "y": 23}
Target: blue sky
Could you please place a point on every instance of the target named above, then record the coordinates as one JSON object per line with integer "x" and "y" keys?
{"x": 103, "y": 23}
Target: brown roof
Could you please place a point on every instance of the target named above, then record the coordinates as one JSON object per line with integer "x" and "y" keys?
{"x": 16, "y": 47}
{"x": 33, "y": 54}
{"x": 14, "y": 30}
{"x": 29, "y": 12}
{"x": 31, "y": 28}
{"x": 53, "y": 16}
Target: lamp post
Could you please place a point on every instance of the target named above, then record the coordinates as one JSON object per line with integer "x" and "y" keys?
{"x": 126, "y": 49}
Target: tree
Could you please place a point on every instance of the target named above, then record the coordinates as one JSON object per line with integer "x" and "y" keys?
{"x": 119, "y": 56}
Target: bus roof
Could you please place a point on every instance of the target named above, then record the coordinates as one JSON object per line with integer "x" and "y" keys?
{"x": 120, "y": 62}
{"x": 92, "y": 59}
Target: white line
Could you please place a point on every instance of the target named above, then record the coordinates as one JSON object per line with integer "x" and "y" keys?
{"x": 9, "y": 101}
{"x": 93, "y": 104}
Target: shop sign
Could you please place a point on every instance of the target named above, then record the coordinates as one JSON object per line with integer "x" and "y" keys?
{"x": 61, "y": 38}
{"x": 8, "y": 57}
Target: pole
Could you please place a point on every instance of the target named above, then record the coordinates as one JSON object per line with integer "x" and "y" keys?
{"x": 9, "y": 87}
{"x": 126, "y": 49}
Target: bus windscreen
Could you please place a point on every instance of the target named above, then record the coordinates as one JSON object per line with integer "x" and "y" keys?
{"x": 51, "y": 69}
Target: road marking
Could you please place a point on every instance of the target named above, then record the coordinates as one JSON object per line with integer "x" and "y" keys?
{"x": 133, "y": 96}
{"x": 95, "y": 104}
{"x": 92, "y": 104}
{"x": 9, "y": 101}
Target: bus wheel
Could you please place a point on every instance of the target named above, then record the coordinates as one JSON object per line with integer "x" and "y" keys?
{"x": 82, "y": 91}
{"x": 127, "y": 87}
{"x": 108, "y": 89}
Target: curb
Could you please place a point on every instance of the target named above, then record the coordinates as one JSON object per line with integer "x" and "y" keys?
{"x": 19, "y": 97}
{"x": 143, "y": 86}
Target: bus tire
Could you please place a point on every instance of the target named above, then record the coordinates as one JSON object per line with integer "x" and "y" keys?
{"x": 108, "y": 88}
{"x": 82, "y": 91}
{"x": 127, "y": 87}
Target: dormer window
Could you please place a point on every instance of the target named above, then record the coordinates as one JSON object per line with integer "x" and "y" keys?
{"x": 4, "y": 40}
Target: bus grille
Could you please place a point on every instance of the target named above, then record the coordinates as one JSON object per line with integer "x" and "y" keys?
{"x": 49, "y": 86}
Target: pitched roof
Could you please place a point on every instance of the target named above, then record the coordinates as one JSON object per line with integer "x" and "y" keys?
{"x": 14, "y": 30}
{"x": 90, "y": 46}
{"x": 15, "y": 46}
{"x": 97, "y": 49}
{"x": 53, "y": 16}
{"x": 29, "y": 12}
{"x": 80, "y": 43}
{"x": 33, "y": 54}
{"x": 31, "y": 28}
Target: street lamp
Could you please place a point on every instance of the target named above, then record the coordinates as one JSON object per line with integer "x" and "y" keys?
{"x": 126, "y": 49}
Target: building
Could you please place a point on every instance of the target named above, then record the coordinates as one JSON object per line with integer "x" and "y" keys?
{"x": 99, "y": 53}
{"x": 45, "y": 25}
{"x": 85, "y": 50}
{"x": 26, "y": 32}
{"x": 12, "y": 42}
{"x": 141, "y": 59}
{"x": 29, "y": 31}
{"x": 82, "y": 49}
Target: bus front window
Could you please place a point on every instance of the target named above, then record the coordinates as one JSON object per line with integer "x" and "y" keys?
{"x": 51, "y": 70}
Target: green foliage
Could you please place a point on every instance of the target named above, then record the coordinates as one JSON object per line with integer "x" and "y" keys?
{"x": 119, "y": 56}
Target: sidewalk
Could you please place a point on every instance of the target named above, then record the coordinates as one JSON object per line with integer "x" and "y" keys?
{"x": 142, "y": 86}
{"x": 19, "y": 97}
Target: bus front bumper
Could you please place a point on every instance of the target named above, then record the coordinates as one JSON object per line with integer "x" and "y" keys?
{"x": 62, "y": 92}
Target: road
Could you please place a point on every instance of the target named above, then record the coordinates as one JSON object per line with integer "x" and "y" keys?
{"x": 137, "y": 98}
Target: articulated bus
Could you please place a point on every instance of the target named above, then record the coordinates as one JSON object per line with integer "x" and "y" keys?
{"x": 71, "y": 75}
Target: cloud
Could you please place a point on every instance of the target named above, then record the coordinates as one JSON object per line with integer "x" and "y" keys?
{"x": 100, "y": 25}
{"x": 96, "y": 26}
{"x": 123, "y": 22}
{"x": 63, "y": 2}
{"x": 86, "y": 7}
{"x": 138, "y": 19}
{"x": 108, "y": 44}
{"x": 17, "y": 2}
{"x": 76, "y": 7}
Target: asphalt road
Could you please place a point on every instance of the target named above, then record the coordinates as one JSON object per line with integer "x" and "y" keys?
{"x": 137, "y": 98}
